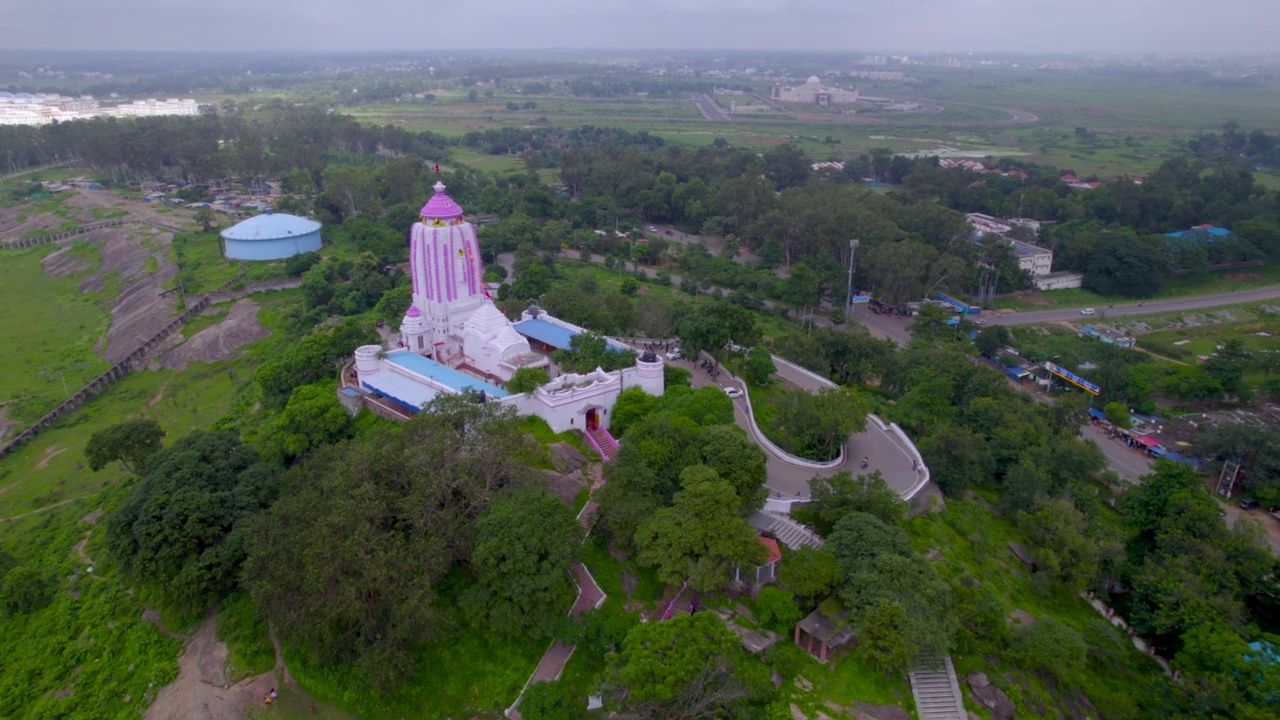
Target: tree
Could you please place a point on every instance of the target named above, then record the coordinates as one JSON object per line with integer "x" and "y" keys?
{"x": 810, "y": 573}
{"x": 1228, "y": 366}
{"x": 992, "y": 339}
{"x": 181, "y": 532}
{"x": 701, "y": 537}
{"x": 313, "y": 417}
{"x": 776, "y": 608}
{"x": 737, "y": 460}
{"x": 1051, "y": 646}
{"x": 901, "y": 609}
{"x": 688, "y": 667}
{"x": 837, "y": 495}
{"x": 551, "y": 701}
{"x": 1117, "y": 414}
{"x": 1125, "y": 264}
{"x": 817, "y": 426}
{"x": 633, "y": 405}
{"x": 759, "y": 366}
{"x": 1223, "y": 676}
{"x": 1061, "y": 548}
{"x": 588, "y": 351}
{"x": 526, "y": 380}
{"x": 206, "y": 218}
{"x": 859, "y": 537}
{"x": 786, "y": 166}
{"x": 525, "y": 543}
{"x": 957, "y": 458}
{"x": 347, "y": 563}
{"x": 130, "y": 442}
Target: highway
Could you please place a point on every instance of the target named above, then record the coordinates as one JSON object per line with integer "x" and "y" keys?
{"x": 709, "y": 108}
{"x": 1143, "y": 308}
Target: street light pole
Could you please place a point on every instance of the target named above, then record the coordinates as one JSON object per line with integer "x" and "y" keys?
{"x": 848, "y": 299}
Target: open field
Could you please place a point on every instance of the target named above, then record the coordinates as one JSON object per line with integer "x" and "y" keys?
{"x": 51, "y": 468}
{"x": 1134, "y": 121}
{"x": 1261, "y": 335}
{"x": 48, "y": 331}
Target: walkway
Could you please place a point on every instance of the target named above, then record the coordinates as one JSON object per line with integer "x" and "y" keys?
{"x": 886, "y": 450}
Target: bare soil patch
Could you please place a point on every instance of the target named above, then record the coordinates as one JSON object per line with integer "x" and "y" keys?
{"x": 139, "y": 311}
{"x": 219, "y": 342}
{"x": 50, "y": 453}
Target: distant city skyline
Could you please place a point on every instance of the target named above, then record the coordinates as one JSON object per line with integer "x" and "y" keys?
{"x": 957, "y": 26}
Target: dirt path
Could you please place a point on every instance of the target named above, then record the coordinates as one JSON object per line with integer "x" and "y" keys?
{"x": 201, "y": 691}
{"x": 60, "y": 503}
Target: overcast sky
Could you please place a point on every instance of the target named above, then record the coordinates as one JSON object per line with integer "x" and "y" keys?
{"x": 1120, "y": 26}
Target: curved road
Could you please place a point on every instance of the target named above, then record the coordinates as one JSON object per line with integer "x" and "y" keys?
{"x": 788, "y": 481}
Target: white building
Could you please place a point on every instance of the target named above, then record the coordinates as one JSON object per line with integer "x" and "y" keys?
{"x": 42, "y": 109}
{"x": 1034, "y": 259}
{"x": 152, "y": 107}
{"x": 813, "y": 92}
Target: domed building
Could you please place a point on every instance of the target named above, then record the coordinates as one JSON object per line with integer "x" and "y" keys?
{"x": 813, "y": 92}
{"x": 271, "y": 236}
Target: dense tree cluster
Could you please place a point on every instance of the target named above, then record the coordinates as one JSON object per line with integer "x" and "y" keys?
{"x": 349, "y": 563}
{"x": 183, "y": 531}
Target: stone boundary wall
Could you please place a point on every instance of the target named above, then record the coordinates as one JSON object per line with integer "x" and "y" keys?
{"x": 45, "y": 239}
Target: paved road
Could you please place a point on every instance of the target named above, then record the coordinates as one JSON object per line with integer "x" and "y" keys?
{"x": 709, "y": 108}
{"x": 788, "y": 481}
{"x": 1128, "y": 463}
{"x": 1143, "y": 308}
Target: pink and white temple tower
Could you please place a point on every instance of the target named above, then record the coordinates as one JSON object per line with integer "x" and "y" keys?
{"x": 449, "y": 291}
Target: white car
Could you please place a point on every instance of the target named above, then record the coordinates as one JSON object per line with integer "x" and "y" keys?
{"x": 653, "y": 229}
{"x": 674, "y": 354}
{"x": 1087, "y": 312}
{"x": 733, "y": 392}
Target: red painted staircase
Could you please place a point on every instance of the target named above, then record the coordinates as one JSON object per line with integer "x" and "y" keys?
{"x": 603, "y": 442}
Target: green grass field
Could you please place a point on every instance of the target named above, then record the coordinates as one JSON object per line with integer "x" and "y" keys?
{"x": 47, "y": 332}
{"x": 1186, "y": 344}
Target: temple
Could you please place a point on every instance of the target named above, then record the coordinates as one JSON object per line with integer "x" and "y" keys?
{"x": 454, "y": 340}
{"x": 452, "y": 319}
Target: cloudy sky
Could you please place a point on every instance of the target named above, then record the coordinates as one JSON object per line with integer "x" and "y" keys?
{"x": 1121, "y": 26}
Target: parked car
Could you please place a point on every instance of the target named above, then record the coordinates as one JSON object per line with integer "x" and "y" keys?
{"x": 733, "y": 392}
{"x": 670, "y": 233}
{"x": 674, "y": 354}
{"x": 653, "y": 229}
{"x": 1249, "y": 504}
{"x": 979, "y": 321}
{"x": 1087, "y": 311}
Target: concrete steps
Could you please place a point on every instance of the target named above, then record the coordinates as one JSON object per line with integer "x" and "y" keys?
{"x": 604, "y": 443}
{"x": 588, "y": 515}
{"x": 937, "y": 692}
{"x": 788, "y": 531}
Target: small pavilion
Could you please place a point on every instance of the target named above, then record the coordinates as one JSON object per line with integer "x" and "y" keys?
{"x": 824, "y": 631}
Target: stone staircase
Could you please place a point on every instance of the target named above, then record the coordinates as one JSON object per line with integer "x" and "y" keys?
{"x": 936, "y": 691}
{"x": 587, "y": 517}
{"x": 788, "y": 531}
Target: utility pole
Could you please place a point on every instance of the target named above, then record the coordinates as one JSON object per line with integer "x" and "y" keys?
{"x": 848, "y": 300}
